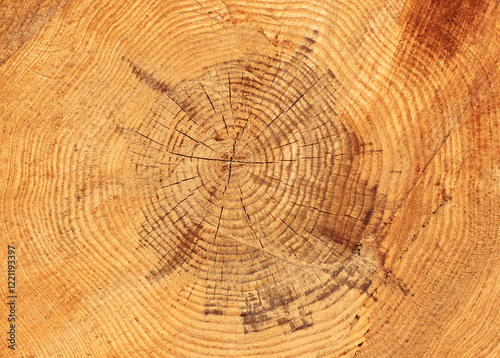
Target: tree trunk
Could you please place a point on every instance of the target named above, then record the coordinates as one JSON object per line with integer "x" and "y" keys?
{"x": 229, "y": 179}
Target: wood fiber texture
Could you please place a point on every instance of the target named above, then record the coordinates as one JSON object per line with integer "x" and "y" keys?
{"x": 200, "y": 178}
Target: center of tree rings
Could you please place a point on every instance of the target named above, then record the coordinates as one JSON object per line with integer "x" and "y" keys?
{"x": 251, "y": 154}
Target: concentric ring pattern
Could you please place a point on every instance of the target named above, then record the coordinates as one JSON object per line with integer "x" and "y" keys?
{"x": 252, "y": 178}
{"x": 249, "y": 167}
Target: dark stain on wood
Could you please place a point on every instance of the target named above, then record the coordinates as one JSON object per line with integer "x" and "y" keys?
{"x": 176, "y": 257}
{"x": 304, "y": 325}
{"x": 282, "y": 306}
{"x": 368, "y": 216}
{"x": 331, "y": 233}
{"x": 365, "y": 285}
{"x": 440, "y": 26}
{"x": 326, "y": 292}
{"x": 305, "y": 49}
{"x": 147, "y": 78}
{"x": 212, "y": 191}
{"x": 353, "y": 279}
{"x": 310, "y": 40}
{"x": 275, "y": 307}
{"x": 283, "y": 320}
{"x": 252, "y": 321}
{"x": 402, "y": 286}
{"x": 370, "y": 211}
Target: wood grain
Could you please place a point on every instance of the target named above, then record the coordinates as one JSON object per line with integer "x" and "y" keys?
{"x": 238, "y": 179}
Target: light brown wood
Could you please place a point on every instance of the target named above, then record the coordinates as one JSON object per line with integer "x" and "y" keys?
{"x": 229, "y": 179}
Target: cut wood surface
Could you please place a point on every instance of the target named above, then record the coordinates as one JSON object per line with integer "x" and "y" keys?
{"x": 199, "y": 178}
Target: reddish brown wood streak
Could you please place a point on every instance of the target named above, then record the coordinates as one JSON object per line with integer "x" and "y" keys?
{"x": 440, "y": 26}
{"x": 146, "y": 77}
